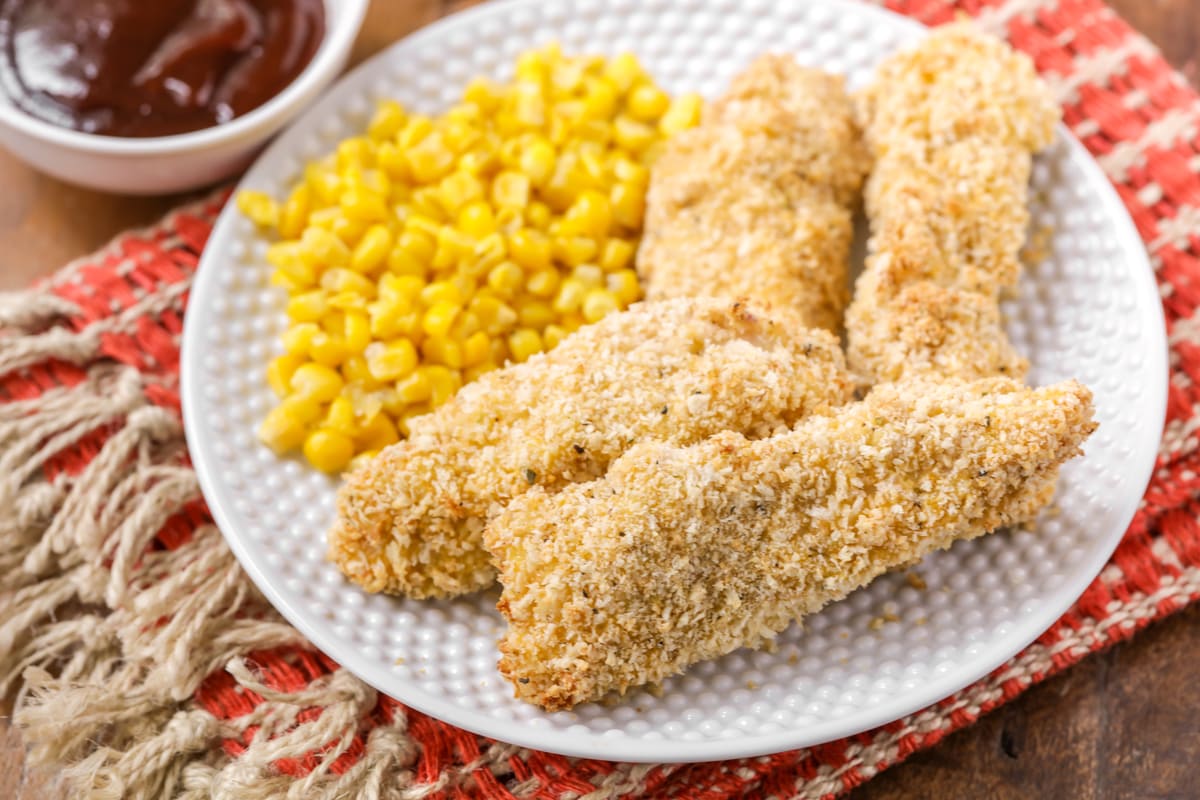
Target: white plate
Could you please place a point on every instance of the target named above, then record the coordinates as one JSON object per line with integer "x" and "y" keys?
{"x": 1091, "y": 311}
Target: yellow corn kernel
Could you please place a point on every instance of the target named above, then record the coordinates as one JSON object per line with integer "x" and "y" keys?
{"x": 598, "y": 304}
{"x": 624, "y": 285}
{"x": 483, "y": 93}
{"x": 509, "y": 219}
{"x": 523, "y": 343}
{"x": 682, "y": 113}
{"x": 535, "y": 314}
{"x": 528, "y": 105}
{"x": 624, "y": 71}
{"x": 317, "y": 382}
{"x": 392, "y": 317}
{"x": 590, "y": 215}
{"x": 616, "y": 254}
{"x": 392, "y": 161}
{"x": 477, "y": 220}
{"x": 459, "y": 189}
{"x": 628, "y": 206}
{"x": 652, "y": 153}
{"x": 538, "y": 215}
{"x": 460, "y": 135}
{"x": 372, "y": 250}
{"x": 259, "y": 207}
{"x": 280, "y": 371}
{"x": 647, "y": 102}
{"x": 339, "y": 280}
{"x": 281, "y": 430}
{"x": 453, "y": 246}
{"x": 362, "y": 205}
{"x": 529, "y": 248}
{"x": 427, "y": 203}
{"x": 474, "y": 372}
{"x": 297, "y": 339}
{"x": 377, "y": 433}
{"x": 392, "y": 360}
{"x": 328, "y": 450}
{"x": 443, "y": 383}
{"x": 328, "y": 350}
{"x": 307, "y": 307}
{"x": 285, "y": 256}
{"x": 360, "y": 460}
{"x": 543, "y": 283}
{"x": 438, "y": 318}
{"x": 511, "y": 189}
{"x": 414, "y": 131}
{"x": 500, "y": 354}
{"x": 570, "y": 295}
{"x": 553, "y": 335}
{"x": 407, "y": 287}
{"x": 476, "y": 348}
{"x": 356, "y": 331}
{"x": 349, "y": 230}
{"x": 589, "y": 275}
{"x": 441, "y": 292}
{"x": 505, "y": 278}
{"x": 537, "y": 161}
{"x": 600, "y": 101}
{"x": 626, "y": 170}
{"x": 573, "y": 321}
{"x": 575, "y": 250}
{"x": 283, "y": 281}
{"x": 388, "y": 120}
{"x": 294, "y": 214}
{"x": 354, "y": 372}
{"x": 415, "y": 388}
{"x": 430, "y": 159}
{"x": 323, "y": 249}
{"x": 304, "y": 408}
{"x": 331, "y": 323}
{"x": 355, "y": 152}
{"x": 592, "y": 169}
{"x": 340, "y": 417}
{"x": 489, "y": 251}
{"x": 631, "y": 134}
{"x": 442, "y": 351}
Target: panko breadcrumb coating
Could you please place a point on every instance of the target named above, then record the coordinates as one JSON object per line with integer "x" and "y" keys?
{"x": 411, "y": 520}
{"x": 757, "y": 201}
{"x": 681, "y": 554}
{"x": 953, "y": 124}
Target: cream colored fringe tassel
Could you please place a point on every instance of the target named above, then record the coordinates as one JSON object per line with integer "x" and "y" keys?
{"x": 106, "y": 641}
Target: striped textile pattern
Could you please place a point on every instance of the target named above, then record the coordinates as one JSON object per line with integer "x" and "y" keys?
{"x": 278, "y": 719}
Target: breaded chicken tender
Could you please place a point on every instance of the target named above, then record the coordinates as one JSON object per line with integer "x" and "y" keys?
{"x": 757, "y": 201}
{"x": 411, "y": 520}
{"x": 681, "y": 554}
{"x": 953, "y": 124}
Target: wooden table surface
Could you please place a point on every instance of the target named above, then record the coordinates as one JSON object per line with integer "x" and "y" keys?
{"x": 1122, "y": 724}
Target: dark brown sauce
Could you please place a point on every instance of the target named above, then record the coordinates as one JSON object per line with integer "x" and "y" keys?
{"x": 152, "y": 67}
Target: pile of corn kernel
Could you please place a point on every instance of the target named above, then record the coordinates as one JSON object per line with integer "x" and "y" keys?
{"x": 431, "y": 250}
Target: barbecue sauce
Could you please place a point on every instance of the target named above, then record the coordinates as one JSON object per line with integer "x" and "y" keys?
{"x": 152, "y": 67}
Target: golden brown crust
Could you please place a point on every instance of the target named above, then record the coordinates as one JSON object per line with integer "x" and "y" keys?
{"x": 410, "y": 521}
{"x": 757, "y": 201}
{"x": 685, "y": 553}
{"x": 952, "y": 125}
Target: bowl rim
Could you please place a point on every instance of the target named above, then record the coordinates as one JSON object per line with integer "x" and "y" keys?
{"x": 337, "y": 40}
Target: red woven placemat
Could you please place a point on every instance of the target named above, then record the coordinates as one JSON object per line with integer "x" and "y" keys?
{"x": 171, "y": 677}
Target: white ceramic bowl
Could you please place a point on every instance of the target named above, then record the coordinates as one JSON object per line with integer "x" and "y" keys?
{"x": 165, "y": 164}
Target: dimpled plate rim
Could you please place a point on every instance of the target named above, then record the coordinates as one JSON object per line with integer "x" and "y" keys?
{"x": 988, "y": 651}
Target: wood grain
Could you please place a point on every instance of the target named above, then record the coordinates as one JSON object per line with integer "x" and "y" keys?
{"x": 1120, "y": 725}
